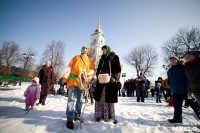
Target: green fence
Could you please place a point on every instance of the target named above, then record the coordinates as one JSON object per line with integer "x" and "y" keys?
{"x": 12, "y": 78}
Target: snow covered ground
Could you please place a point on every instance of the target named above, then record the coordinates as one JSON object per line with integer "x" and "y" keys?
{"x": 133, "y": 117}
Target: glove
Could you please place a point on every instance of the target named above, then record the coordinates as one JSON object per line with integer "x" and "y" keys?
{"x": 112, "y": 80}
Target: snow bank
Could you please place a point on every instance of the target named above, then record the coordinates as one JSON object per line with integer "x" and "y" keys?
{"x": 133, "y": 117}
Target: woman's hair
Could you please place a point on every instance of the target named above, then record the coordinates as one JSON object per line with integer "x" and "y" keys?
{"x": 104, "y": 47}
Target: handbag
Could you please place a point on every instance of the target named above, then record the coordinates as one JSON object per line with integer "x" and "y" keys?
{"x": 105, "y": 77}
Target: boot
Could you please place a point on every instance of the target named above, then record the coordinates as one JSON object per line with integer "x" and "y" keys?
{"x": 79, "y": 119}
{"x": 70, "y": 125}
{"x": 98, "y": 120}
{"x": 43, "y": 100}
{"x": 115, "y": 122}
{"x": 175, "y": 121}
{"x": 40, "y": 100}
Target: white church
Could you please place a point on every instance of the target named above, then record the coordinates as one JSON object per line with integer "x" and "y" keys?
{"x": 97, "y": 41}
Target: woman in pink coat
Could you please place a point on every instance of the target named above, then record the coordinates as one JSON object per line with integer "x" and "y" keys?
{"x": 32, "y": 93}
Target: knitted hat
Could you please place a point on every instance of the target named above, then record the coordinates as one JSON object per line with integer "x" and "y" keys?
{"x": 36, "y": 80}
{"x": 141, "y": 73}
{"x": 174, "y": 57}
{"x": 85, "y": 46}
{"x": 193, "y": 53}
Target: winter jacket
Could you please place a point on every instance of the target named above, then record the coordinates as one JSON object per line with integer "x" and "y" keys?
{"x": 177, "y": 79}
{"x": 111, "y": 87}
{"x": 164, "y": 84}
{"x": 46, "y": 76}
{"x": 157, "y": 90}
{"x": 147, "y": 84}
{"x": 75, "y": 67}
{"x": 119, "y": 85}
{"x": 32, "y": 91}
{"x": 132, "y": 85}
{"x": 141, "y": 83}
{"x": 192, "y": 72}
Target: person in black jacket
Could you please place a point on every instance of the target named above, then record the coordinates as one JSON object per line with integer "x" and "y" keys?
{"x": 119, "y": 86}
{"x": 192, "y": 72}
{"x": 141, "y": 87}
{"x": 106, "y": 94}
{"x": 132, "y": 87}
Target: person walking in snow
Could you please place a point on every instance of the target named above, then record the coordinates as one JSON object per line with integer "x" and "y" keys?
{"x": 79, "y": 64}
{"x": 32, "y": 93}
{"x": 177, "y": 82}
{"x": 167, "y": 88}
{"x": 141, "y": 87}
{"x": 157, "y": 92}
{"x": 106, "y": 94}
{"x": 46, "y": 76}
{"x": 132, "y": 87}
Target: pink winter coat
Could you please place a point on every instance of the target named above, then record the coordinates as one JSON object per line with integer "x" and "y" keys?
{"x": 32, "y": 92}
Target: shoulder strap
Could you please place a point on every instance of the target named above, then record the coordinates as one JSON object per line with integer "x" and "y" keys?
{"x": 83, "y": 63}
{"x": 109, "y": 67}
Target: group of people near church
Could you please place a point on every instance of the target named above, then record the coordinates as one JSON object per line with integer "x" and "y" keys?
{"x": 105, "y": 93}
{"x": 183, "y": 80}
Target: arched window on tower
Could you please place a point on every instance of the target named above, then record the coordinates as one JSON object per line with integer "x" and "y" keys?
{"x": 94, "y": 40}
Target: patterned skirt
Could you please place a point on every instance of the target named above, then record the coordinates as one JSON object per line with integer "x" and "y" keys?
{"x": 104, "y": 110}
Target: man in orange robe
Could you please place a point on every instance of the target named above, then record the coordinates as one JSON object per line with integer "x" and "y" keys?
{"x": 80, "y": 63}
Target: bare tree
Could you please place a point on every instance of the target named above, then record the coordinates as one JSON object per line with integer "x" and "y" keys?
{"x": 10, "y": 55}
{"x": 55, "y": 53}
{"x": 184, "y": 40}
{"x": 142, "y": 58}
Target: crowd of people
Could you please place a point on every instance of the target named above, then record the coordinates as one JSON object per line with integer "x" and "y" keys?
{"x": 183, "y": 83}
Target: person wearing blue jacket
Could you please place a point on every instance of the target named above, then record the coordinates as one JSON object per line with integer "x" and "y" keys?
{"x": 178, "y": 84}
{"x": 157, "y": 92}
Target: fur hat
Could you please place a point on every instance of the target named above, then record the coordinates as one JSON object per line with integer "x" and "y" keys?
{"x": 193, "y": 53}
{"x": 36, "y": 80}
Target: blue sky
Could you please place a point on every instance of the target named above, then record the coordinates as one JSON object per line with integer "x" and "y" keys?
{"x": 125, "y": 23}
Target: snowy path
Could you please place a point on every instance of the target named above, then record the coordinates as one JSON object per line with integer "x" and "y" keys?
{"x": 132, "y": 116}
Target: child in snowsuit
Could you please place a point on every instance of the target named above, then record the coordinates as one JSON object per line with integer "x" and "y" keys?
{"x": 157, "y": 92}
{"x": 32, "y": 93}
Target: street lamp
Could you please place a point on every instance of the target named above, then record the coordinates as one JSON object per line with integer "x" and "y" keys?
{"x": 27, "y": 58}
{"x": 166, "y": 67}
{"x": 124, "y": 75}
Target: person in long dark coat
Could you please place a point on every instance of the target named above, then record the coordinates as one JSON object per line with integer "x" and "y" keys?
{"x": 46, "y": 76}
{"x": 106, "y": 94}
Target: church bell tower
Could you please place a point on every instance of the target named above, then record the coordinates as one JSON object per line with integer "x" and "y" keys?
{"x": 97, "y": 40}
